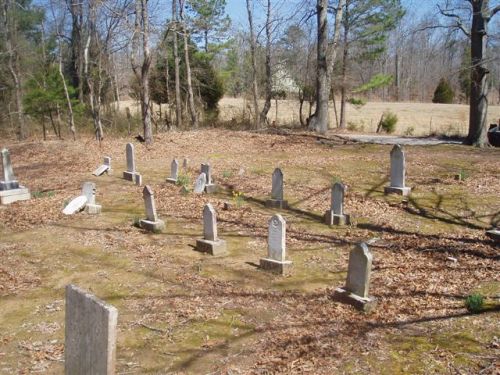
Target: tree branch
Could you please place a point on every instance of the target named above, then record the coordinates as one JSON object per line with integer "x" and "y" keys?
{"x": 459, "y": 24}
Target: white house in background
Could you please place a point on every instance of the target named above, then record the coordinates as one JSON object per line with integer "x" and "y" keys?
{"x": 283, "y": 81}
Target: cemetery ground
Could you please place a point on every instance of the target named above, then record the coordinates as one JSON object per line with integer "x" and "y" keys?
{"x": 181, "y": 311}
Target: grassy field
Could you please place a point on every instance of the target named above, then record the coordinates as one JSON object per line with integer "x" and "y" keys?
{"x": 185, "y": 312}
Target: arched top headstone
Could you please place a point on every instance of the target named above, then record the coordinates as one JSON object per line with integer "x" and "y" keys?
{"x": 398, "y": 167}
{"x": 276, "y": 238}
{"x": 149, "y": 203}
{"x": 174, "y": 169}
{"x": 129, "y": 149}
{"x": 277, "y": 185}
{"x": 338, "y": 192}
{"x": 209, "y": 223}
{"x": 359, "y": 270}
{"x": 200, "y": 183}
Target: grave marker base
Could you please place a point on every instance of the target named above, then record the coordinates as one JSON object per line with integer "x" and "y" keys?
{"x": 172, "y": 180}
{"x": 14, "y": 195}
{"x": 360, "y": 303}
{"x": 215, "y": 248}
{"x": 152, "y": 226}
{"x": 332, "y": 219}
{"x": 93, "y": 209}
{"x": 129, "y": 176}
{"x": 211, "y": 188}
{"x": 277, "y": 203}
{"x": 275, "y": 266}
{"x": 397, "y": 190}
{"x": 9, "y": 185}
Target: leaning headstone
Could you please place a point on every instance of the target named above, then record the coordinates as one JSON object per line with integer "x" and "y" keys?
{"x": 210, "y": 187}
{"x": 90, "y": 334}
{"x": 276, "y": 247}
{"x": 130, "y": 173}
{"x": 398, "y": 173}
{"x": 152, "y": 223}
{"x": 358, "y": 280}
{"x": 335, "y": 215}
{"x": 200, "y": 183}
{"x": 277, "y": 200}
{"x": 89, "y": 190}
{"x": 174, "y": 172}
{"x": 106, "y": 167}
{"x": 210, "y": 243}
{"x": 76, "y": 205}
{"x": 10, "y": 190}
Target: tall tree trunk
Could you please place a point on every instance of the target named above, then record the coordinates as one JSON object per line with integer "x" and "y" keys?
{"x": 192, "y": 108}
{"x": 178, "y": 99}
{"x": 77, "y": 63}
{"x": 269, "y": 83}
{"x": 253, "y": 48}
{"x": 345, "y": 56}
{"x": 333, "y": 50}
{"x": 146, "y": 64}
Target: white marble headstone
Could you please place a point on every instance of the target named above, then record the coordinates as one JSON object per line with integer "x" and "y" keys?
{"x": 359, "y": 270}
{"x": 88, "y": 190}
{"x": 277, "y": 187}
{"x": 338, "y": 191}
{"x": 276, "y": 238}
{"x": 200, "y": 183}
{"x": 149, "y": 203}
{"x": 8, "y": 173}
{"x": 205, "y": 168}
{"x": 76, "y": 205}
{"x": 174, "y": 169}
{"x": 130, "y": 157}
{"x": 398, "y": 167}
{"x": 209, "y": 223}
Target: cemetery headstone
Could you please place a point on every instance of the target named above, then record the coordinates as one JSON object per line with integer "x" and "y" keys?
{"x": 104, "y": 168}
{"x": 356, "y": 291}
{"x": 89, "y": 191}
{"x": 174, "y": 172}
{"x": 76, "y": 205}
{"x": 200, "y": 183}
{"x": 494, "y": 234}
{"x": 152, "y": 223}
{"x": 185, "y": 163}
{"x": 210, "y": 243}
{"x": 138, "y": 179}
{"x": 130, "y": 173}
{"x": 398, "y": 173}
{"x": 10, "y": 190}
{"x": 277, "y": 200}
{"x": 276, "y": 247}
{"x": 335, "y": 215}
{"x": 90, "y": 334}
{"x": 210, "y": 186}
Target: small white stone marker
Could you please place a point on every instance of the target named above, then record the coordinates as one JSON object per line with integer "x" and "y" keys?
{"x": 105, "y": 167}
{"x": 210, "y": 243}
{"x": 398, "y": 173}
{"x": 356, "y": 291}
{"x": 200, "y": 183}
{"x": 276, "y": 246}
{"x": 130, "y": 173}
{"x": 89, "y": 190}
{"x": 152, "y": 223}
{"x": 335, "y": 215}
{"x": 276, "y": 200}
{"x": 10, "y": 190}
{"x": 210, "y": 187}
{"x": 76, "y": 205}
{"x": 174, "y": 172}
{"x": 90, "y": 334}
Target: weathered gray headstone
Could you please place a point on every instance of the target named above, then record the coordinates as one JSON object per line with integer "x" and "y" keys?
{"x": 336, "y": 216}
{"x": 10, "y": 190}
{"x": 106, "y": 167}
{"x": 107, "y": 161}
{"x": 174, "y": 171}
{"x": 76, "y": 205}
{"x": 356, "y": 291}
{"x": 276, "y": 200}
{"x": 185, "y": 164}
{"x": 130, "y": 173}
{"x": 398, "y": 172}
{"x": 90, "y": 334}
{"x": 210, "y": 187}
{"x": 89, "y": 190}
{"x": 151, "y": 223}
{"x": 200, "y": 183}
{"x": 276, "y": 247}
{"x": 210, "y": 243}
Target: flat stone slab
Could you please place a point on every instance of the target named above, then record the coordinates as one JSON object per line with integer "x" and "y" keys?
{"x": 275, "y": 203}
{"x": 76, "y": 205}
{"x": 14, "y": 195}
{"x": 275, "y": 266}
{"x": 397, "y": 190}
{"x": 216, "y": 248}
{"x": 211, "y": 188}
{"x": 100, "y": 171}
{"x": 494, "y": 234}
{"x": 152, "y": 226}
{"x": 332, "y": 219}
{"x": 360, "y": 303}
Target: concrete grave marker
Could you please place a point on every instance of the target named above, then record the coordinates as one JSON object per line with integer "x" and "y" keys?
{"x": 200, "y": 183}
{"x": 174, "y": 171}
{"x": 210, "y": 243}
{"x": 358, "y": 279}
{"x": 90, "y": 334}
{"x": 76, "y": 205}
{"x": 89, "y": 191}
{"x": 398, "y": 173}
{"x": 210, "y": 187}
{"x": 152, "y": 223}
{"x": 276, "y": 200}
{"x": 105, "y": 167}
{"x": 130, "y": 173}
{"x": 10, "y": 190}
{"x": 335, "y": 215}
{"x": 276, "y": 247}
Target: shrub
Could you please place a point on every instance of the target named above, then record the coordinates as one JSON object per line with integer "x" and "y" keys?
{"x": 183, "y": 180}
{"x": 388, "y": 122}
{"x": 409, "y": 131}
{"x": 443, "y": 93}
{"x": 474, "y": 302}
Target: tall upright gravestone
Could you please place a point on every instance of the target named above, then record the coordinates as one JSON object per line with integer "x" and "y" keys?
{"x": 131, "y": 174}
{"x": 210, "y": 186}
{"x": 398, "y": 173}
{"x": 356, "y": 290}
{"x": 174, "y": 172}
{"x": 10, "y": 190}
{"x": 210, "y": 243}
{"x": 90, "y": 334}
{"x": 277, "y": 195}
{"x": 276, "y": 247}
{"x": 335, "y": 215}
{"x": 152, "y": 223}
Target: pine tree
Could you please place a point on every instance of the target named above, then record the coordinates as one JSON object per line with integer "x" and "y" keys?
{"x": 444, "y": 92}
